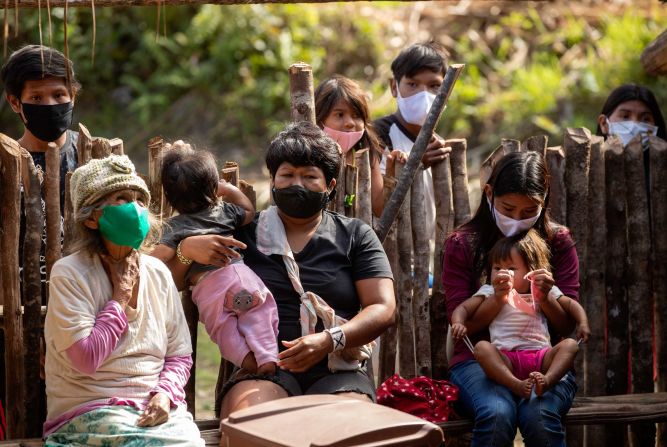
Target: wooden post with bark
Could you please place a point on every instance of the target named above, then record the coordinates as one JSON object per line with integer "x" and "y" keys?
{"x": 510, "y": 145}
{"x": 459, "y": 171}
{"x": 577, "y": 148}
{"x": 68, "y": 215}
{"x": 351, "y": 188}
{"x": 116, "y": 145}
{"x": 364, "y": 206}
{"x": 302, "y": 98}
{"x": 159, "y": 205}
{"x": 32, "y": 291}
{"x": 388, "y": 343}
{"x": 594, "y": 285}
{"x": 555, "y": 160}
{"x": 404, "y": 280}
{"x": 444, "y": 223}
{"x": 537, "y": 143}
{"x": 230, "y": 173}
{"x": 640, "y": 312}
{"x": 654, "y": 56}
{"x": 658, "y": 187}
{"x": 420, "y": 296}
{"x": 616, "y": 370}
{"x": 10, "y": 202}
{"x": 84, "y": 145}
{"x": 52, "y": 199}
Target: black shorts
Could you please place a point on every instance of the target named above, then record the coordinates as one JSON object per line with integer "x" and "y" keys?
{"x": 309, "y": 382}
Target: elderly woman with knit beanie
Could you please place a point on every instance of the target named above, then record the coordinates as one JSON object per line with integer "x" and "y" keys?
{"x": 118, "y": 349}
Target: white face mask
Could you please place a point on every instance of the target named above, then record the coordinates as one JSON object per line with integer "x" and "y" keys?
{"x": 627, "y": 130}
{"x": 510, "y": 227}
{"x": 415, "y": 108}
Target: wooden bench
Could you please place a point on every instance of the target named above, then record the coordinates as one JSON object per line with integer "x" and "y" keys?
{"x": 599, "y": 410}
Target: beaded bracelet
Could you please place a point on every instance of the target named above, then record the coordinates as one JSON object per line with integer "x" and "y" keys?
{"x": 182, "y": 259}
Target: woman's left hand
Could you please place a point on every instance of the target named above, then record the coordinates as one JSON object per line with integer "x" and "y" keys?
{"x": 542, "y": 280}
{"x": 304, "y": 352}
{"x": 157, "y": 411}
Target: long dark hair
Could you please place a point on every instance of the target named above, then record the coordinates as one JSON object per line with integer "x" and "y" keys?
{"x": 338, "y": 88}
{"x": 634, "y": 92}
{"x": 516, "y": 173}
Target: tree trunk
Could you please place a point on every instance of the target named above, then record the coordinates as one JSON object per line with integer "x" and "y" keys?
{"x": 302, "y": 97}
{"x": 444, "y": 223}
{"x": 616, "y": 370}
{"x": 420, "y": 300}
{"x": 10, "y": 203}
{"x": 459, "y": 170}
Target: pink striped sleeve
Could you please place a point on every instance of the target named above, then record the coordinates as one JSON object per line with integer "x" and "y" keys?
{"x": 90, "y": 352}
{"x": 173, "y": 378}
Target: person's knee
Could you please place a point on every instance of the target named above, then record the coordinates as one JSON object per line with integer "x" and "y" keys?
{"x": 569, "y": 345}
{"x": 482, "y": 348}
{"x": 248, "y": 393}
{"x": 497, "y": 414}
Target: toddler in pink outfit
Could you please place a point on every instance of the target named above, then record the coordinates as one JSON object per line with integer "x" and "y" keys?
{"x": 237, "y": 309}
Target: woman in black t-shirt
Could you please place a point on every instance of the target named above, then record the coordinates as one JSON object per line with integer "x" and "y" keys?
{"x": 296, "y": 247}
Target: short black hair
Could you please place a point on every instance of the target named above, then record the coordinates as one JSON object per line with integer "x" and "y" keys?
{"x": 304, "y": 144}
{"x": 420, "y": 56}
{"x": 634, "y": 92}
{"x": 35, "y": 62}
{"x": 189, "y": 179}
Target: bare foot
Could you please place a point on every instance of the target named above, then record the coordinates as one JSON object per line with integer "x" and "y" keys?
{"x": 522, "y": 388}
{"x": 541, "y": 383}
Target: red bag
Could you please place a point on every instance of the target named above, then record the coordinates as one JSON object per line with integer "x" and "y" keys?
{"x": 422, "y": 397}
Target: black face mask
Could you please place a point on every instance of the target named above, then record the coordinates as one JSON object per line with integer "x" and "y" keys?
{"x": 297, "y": 201}
{"x": 48, "y": 123}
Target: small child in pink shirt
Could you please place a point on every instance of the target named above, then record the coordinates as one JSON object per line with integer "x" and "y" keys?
{"x": 520, "y": 355}
{"x": 237, "y": 309}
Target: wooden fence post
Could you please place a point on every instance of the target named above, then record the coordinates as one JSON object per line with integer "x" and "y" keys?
{"x": 52, "y": 199}
{"x": 459, "y": 170}
{"x": 555, "y": 160}
{"x": 537, "y": 143}
{"x": 616, "y": 370}
{"x": 351, "y": 187}
{"x": 301, "y": 92}
{"x": 364, "y": 207}
{"x": 658, "y": 164}
{"x": 640, "y": 312}
{"x": 32, "y": 292}
{"x": 406, "y": 341}
{"x": 594, "y": 286}
{"x": 84, "y": 145}
{"x": 159, "y": 205}
{"x": 421, "y": 255}
{"x": 444, "y": 223}
{"x": 388, "y": 342}
{"x": 116, "y": 145}
{"x": 509, "y": 145}
{"x": 10, "y": 202}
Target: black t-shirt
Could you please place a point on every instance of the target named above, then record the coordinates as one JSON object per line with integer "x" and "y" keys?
{"x": 221, "y": 219}
{"x": 342, "y": 250}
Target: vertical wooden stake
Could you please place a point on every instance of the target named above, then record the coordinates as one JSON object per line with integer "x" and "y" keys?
{"x": 84, "y": 145}
{"x": 577, "y": 148}
{"x": 10, "y": 202}
{"x": 555, "y": 160}
{"x": 389, "y": 340}
{"x": 537, "y": 143}
{"x": 364, "y": 209}
{"x": 116, "y": 146}
{"x": 457, "y": 159}
{"x": 52, "y": 199}
{"x": 301, "y": 92}
{"x": 444, "y": 223}
{"x": 158, "y": 203}
{"x": 351, "y": 188}
{"x": 230, "y": 173}
{"x": 510, "y": 145}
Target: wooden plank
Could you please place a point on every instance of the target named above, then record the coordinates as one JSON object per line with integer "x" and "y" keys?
{"x": 32, "y": 291}
{"x": 10, "y": 203}
{"x": 122, "y": 3}
{"x": 616, "y": 368}
{"x": 654, "y": 56}
{"x": 302, "y": 98}
{"x": 406, "y": 341}
{"x": 459, "y": 171}
{"x": 444, "y": 223}
{"x": 555, "y": 159}
{"x": 594, "y": 285}
{"x": 658, "y": 166}
{"x": 364, "y": 209}
{"x": 421, "y": 255}
{"x": 52, "y": 199}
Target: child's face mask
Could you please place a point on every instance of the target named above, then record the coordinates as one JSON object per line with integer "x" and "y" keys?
{"x": 415, "y": 108}
{"x": 627, "y": 130}
{"x": 346, "y": 140}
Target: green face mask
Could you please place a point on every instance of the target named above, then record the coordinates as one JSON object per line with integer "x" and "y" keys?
{"x": 125, "y": 224}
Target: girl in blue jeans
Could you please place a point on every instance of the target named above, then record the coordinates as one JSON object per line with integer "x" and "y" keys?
{"x": 514, "y": 201}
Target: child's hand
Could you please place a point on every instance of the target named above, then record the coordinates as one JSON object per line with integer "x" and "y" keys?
{"x": 542, "y": 282}
{"x": 502, "y": 283}
{"x": 394, "y": 157}
{"x": 583, "y": 332}
{"x": 459, "y": 331}
{"x": 267, "y": 368}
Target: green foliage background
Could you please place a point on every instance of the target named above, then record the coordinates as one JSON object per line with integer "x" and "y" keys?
{"x": 217, "y": 75}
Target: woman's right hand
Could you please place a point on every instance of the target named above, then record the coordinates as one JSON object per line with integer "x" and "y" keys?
{"x": 123, "y": 274}
{"x": 211, "y": 249}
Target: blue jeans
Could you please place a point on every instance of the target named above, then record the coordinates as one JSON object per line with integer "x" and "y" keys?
{"x": 498, "y": 412}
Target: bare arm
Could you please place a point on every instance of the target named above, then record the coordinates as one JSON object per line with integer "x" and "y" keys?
{"x": 232, "y": 194}
{"x": 376, "y": 296}
{"x": 556, "y": 315}
{"x": 576, "y": 312}
{"x": 462, "y": 314}
{"x": 377, "y": 185}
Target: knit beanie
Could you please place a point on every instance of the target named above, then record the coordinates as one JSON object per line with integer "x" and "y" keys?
{"x": 102, "y": 176}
